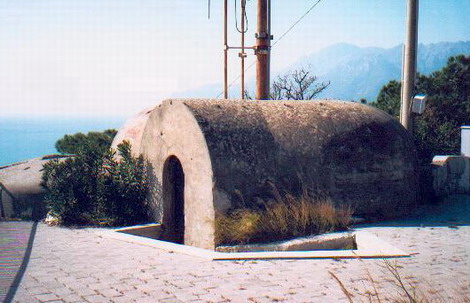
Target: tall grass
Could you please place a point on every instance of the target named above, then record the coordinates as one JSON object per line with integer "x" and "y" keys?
{"x": 293, "y": 217}
{"x": 401, "y": 291}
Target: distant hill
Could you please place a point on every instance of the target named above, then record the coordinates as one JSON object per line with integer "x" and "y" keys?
{"x": 356, "y": 72}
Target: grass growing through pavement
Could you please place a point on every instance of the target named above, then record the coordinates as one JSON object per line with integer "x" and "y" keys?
{"x": 400, "y": 289}
{"x": 291, "y": 218}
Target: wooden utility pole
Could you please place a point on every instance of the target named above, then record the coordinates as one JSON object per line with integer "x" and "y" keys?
{"x": 409, "y": 63}
{"x": 263, "y": 50}
{"x": 242, "y": 53}
{"x": 225, "y": 51}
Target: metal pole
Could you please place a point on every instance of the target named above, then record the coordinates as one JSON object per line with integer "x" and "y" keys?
{"x": 409, "y": 63}
{"x": 2, "y": 211}
{"x": 242, "y": 53}
{"x": 270, "y": 37}
{"x": 262, "y": 52}
{"x": 225, "y": 51}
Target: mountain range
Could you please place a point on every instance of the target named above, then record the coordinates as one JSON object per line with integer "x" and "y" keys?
{"x": 360, "y": 72}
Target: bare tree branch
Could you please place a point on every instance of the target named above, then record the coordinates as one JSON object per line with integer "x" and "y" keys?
{"x": 296, "y": 85}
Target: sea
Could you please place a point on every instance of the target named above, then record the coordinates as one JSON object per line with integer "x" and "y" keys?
{"x": 23, "y": 138}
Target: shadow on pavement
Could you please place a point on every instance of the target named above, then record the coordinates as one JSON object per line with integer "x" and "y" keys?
{"x": 16, "y": 248}
{"x": 451, "y": 211}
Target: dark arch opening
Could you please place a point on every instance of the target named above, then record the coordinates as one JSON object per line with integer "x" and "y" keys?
{"x": 173, "y": 199}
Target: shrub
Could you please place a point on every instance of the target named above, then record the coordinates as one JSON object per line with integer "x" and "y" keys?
{"x": 293, "y": 217}
{"x": 72, "y": 144}
{"x": 126, "y": 187}
{"x": 94, "y": 188}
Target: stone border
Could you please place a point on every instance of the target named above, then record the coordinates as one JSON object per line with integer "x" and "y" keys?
{"x": 368, "y": 246}
{"x": 329, "y": 241}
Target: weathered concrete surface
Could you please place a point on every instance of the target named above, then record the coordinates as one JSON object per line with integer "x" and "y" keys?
{"x": 355, "y": 154}
{"x": 132, "y": 131}
{"x": 22, "y": 181}
{"x": 245, "y": 153}
{"x": 172, "y": 130}
{"x": 77, "y": 265}
{"x": 451, "y": 175}
{"x": 334, "y": 241}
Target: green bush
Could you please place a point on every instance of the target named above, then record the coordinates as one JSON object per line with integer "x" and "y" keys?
{"x": 93, "y": 188}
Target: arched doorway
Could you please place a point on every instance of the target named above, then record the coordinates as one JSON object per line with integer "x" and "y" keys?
{"x": 173, "y": 200}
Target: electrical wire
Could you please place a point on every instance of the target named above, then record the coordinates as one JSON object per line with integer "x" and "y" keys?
{"x": 246, "y": 17}
{"x": 296, "y": 22}
{"x": 236, "y": 79}
{"x": 275, "y": 42}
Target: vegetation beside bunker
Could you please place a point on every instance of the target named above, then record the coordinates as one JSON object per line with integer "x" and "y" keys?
{"x": 93, "y": 188}
{"x": 291, "y": 218}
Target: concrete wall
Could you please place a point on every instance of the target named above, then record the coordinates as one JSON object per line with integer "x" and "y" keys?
{"x": 172, "y": 130}
{"x": 465, "y": 141}
{"x": 133, "y": 130}
{"x": 22, "y": 181}
{"x": 353, "y": 153}
{"x": 451, "y": 175}
{"x": 6, "y": 204}
{"x": 244, "y": 153}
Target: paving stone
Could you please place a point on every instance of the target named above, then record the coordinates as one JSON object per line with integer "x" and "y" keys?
{"x": 97, "y": 299}
{"x": 46, "y": 297}
{"x": 38, "y": 290}
{"x": 83, "y": 291}
{"x": 72, "y": 298}
{"x": 126, "y": 272}
{"x": 121, "y": 299}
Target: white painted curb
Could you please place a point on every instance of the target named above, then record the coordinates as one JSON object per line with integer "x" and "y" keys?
{"x": 369, "y": 246}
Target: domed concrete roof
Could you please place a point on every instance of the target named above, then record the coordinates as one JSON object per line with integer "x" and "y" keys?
{"x": 237, "y": 153}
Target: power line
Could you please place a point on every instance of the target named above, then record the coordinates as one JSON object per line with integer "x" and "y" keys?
{"x": 237, "y": 78}
{"x": 277, "y": 41}
{"x": 296, "y": 22}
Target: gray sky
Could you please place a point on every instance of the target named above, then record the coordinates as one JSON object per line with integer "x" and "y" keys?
{"x": 116, "y": 57}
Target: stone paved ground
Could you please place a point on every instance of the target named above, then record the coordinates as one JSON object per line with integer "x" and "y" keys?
{"x": 14, "y": 240}
{"x": 80, "y": 265}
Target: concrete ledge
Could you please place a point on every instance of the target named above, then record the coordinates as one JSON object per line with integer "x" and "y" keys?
{"x": 152, "y": 230}
{"x": 369, "y": 246}
{"x": 330, "y": 241}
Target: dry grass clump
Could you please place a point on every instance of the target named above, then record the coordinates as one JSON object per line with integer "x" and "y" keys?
{"x": 401, "y": 291}
{"x": 293, "y": 217}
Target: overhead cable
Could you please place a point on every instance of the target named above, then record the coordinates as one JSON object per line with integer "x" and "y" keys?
{"x": 275, "y": 42}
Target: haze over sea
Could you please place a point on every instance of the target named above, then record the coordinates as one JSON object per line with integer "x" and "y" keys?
{"x": 23, "y": 138}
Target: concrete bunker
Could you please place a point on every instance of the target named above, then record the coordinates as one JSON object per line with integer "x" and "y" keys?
{"x": 235, "y": 153}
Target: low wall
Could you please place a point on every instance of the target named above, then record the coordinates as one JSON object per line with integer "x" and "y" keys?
{"x": 451, "y": 175}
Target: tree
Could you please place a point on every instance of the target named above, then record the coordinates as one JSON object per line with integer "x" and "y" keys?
{"x": 437, "y": 131}
{"x": 71, "y": 144}
{"x": 388, "y": 99}
{"x": 296, "y": 85}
